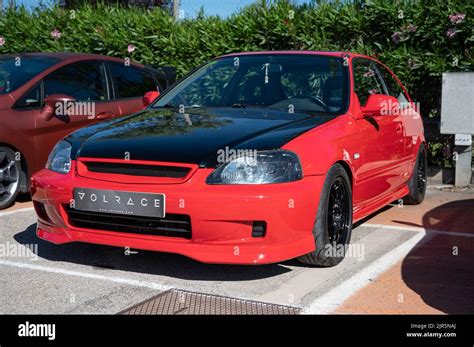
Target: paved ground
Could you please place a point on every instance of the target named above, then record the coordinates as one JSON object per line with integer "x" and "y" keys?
{"x": 413, "y": 259}
{"x": 436, "y": 276}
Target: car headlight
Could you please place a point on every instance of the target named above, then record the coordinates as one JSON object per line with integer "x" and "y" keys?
{"x": 264, "y": 167}
{"x": 60, "y": 158}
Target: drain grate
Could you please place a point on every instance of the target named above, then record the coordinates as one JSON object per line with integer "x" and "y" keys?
{"x": 183, "y": 302}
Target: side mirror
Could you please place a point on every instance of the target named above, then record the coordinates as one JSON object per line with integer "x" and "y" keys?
{"x": 380, "y": 105}
{"x": 149, "y": 97}
{"x": 50, "y": 103}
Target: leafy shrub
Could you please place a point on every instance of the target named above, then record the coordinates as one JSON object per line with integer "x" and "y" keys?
{"x": 418, "y": 39}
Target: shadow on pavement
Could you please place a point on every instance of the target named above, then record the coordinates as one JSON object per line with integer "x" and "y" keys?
{"x": 441, "y": 267}
{"x": 25, "y": 197}
{"x": 147, "y": 262}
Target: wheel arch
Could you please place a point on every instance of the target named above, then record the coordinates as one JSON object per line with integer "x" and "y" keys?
{"x": 348, "y": 169}
{"x": 424, "y": 144}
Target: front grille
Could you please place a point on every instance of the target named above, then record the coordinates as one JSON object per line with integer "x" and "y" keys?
{"x": 138, "y": 169}
{"x": 173, "y": 225}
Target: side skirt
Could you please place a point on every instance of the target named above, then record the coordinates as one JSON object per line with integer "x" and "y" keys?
{"x": 379, "y": 203}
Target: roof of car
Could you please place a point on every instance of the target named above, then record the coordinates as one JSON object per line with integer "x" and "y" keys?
{"x": 328, "y": 53}
{"x": 85, "y": 56}
{"x": 64, "y": 56}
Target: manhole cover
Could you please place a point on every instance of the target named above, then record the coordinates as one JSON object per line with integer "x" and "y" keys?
{"x": 183, "y": 302}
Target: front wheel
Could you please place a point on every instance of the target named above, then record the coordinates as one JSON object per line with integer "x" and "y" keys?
{"x": 10, "y": 171}
{"x": 333, "y": 225}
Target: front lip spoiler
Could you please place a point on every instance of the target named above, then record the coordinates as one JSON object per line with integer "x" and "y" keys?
{"x": 249, "y": 254}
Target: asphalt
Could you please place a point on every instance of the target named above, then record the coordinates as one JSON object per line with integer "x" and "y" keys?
{"x": 92, "y": 279}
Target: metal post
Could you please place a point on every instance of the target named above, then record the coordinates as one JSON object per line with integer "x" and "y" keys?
{"x": 463, "y": 150}
{"x": 176, "y": 9}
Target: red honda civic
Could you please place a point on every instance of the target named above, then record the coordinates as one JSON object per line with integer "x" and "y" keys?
{"x": 94, "y": 87}
{"x": 253, "y": 158}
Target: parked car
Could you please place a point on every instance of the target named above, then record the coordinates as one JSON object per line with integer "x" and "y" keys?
{"x": 253, "y": 158}
{"x": 32, "y": 84}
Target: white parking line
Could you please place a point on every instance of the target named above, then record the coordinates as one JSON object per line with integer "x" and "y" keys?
{"x": 120, "y": 280}
{"x": 335, "y": 297}
{"x": 323, "y": 304}
{"x": 417, "y": 229}
{"x": 7, "y": 213}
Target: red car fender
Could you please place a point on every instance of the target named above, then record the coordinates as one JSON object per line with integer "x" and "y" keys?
{"x": 335, "y": 141}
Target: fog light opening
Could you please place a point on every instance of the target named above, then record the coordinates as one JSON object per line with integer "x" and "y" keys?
{"x": 259, "y": 228}
{"x": 40, "y": 210}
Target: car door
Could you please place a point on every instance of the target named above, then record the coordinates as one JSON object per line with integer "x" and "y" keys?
{"x": 130, "y": 83}
{"x": 409, "y": 116}
{"x": 86, "y": 82}
{"x": 21, "y": 125}
{"x": 382, "y": 135}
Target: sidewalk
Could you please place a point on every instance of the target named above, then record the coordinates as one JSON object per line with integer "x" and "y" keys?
{"x": 437, "y": 276}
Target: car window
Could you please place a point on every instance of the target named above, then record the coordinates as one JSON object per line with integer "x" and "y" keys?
{"x": 292, "y": 85}
{"x": 252, "y": 88}
{"x": 310, "y": 82}
{"x": 84, "y": 81}
{"x": 208, "y": 88}
{"x": 131, "y": 82}
{"x": 367, "y": 81}
{"x": 31, "y": 99}
{"x": 162, "y": 82}
{"x": 297, "y": 82}
{"x": 16, "y": 71}
{"x": 393, "y": 87}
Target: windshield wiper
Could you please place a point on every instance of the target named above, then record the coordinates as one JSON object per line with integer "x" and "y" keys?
{"x": 168, "y": 105}
{"x": 237, "y": 105}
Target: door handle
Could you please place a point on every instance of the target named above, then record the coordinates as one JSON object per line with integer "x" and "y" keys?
{"x": 105, "y": 115}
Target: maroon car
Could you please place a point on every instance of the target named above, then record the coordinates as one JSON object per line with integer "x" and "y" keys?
{"x": 45, "y": 96}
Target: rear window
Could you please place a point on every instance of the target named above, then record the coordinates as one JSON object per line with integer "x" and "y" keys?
{"x": 16, "y": 71}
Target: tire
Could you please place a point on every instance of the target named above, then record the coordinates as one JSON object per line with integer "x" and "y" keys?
{"x": 417, "y": 182}
{"x": 328, "y": 251}
{"x": 10, "y": 175}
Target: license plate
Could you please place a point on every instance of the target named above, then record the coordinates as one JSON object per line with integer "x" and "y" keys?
{"x": 119, "y": 202}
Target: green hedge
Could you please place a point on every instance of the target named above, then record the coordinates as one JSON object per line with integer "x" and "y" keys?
{"x": 416, "y": 39}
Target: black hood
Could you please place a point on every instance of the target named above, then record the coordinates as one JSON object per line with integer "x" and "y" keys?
{"x": 191, "y": 137}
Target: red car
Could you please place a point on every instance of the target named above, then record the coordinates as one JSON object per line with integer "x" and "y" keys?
{"x": 253, "y": 158}
{"x": 32, "y": 84}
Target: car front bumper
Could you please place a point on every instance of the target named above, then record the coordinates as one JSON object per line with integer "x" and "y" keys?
{"x": 221, "y": 217}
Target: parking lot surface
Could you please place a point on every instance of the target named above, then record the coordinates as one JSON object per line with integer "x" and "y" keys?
{"x": 404, "y": 259}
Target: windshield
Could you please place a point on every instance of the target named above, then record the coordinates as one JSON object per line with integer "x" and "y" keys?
{"x": 294, "y": 82}
{"x": 16, "y": 71}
